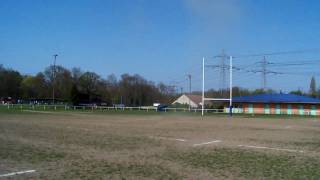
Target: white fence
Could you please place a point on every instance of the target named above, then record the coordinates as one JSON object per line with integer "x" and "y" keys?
{"x": 102, "y": 108}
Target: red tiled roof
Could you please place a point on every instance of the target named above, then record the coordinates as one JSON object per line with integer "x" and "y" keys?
{"x": 195, "y": 98}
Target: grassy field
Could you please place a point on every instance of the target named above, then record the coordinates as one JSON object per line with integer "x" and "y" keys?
{"x": 139, "y": 145}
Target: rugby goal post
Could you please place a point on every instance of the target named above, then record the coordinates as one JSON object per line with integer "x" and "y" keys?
{"x": 217, "y": 99}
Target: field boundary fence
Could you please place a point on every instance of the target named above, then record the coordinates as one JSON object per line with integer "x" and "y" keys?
{"x": 35, "y": 107}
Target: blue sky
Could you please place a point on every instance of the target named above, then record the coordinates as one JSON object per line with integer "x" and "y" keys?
{"x": 162, "y": 40}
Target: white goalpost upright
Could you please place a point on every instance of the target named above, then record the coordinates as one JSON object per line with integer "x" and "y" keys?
{"x": 216, "y": 99}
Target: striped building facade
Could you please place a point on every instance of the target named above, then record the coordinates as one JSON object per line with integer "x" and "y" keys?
{"x": 289, "y": 104}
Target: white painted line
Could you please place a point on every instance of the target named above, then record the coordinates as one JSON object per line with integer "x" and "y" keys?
{"x": 183, "y": 140}
{"x": 43, "y": 112}
{"x": 206, "y": 143}
{"x": 171, "y": 139}
{"x": 270, "y": 148}
{"x": 17, "y": 173}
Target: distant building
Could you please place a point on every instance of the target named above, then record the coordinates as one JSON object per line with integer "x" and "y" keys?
{"x": 7, "y": 100}
{"x": 194, "y": 101}
{"x": 275, "y": 104}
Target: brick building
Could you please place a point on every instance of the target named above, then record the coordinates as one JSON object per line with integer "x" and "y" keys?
{"x": 276, "y": 104}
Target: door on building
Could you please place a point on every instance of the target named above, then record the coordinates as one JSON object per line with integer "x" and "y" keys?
{"x": 278, "y": 109}
{"x": 313, "y": 110}
{"x": 250, "y": 108}
{"x": 267, "y": 109}
{"x": 301, "y": 110}
{"x": 289, "y": 109}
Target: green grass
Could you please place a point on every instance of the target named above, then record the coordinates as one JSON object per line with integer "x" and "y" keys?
{"x": 249, "y": 164}
{"x": 98, "y": 169}
{"x": 76, "y": 166}
{"x": 12, "y": 150}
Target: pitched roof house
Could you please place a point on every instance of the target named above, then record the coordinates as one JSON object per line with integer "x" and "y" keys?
{"x": 188, "y": 99}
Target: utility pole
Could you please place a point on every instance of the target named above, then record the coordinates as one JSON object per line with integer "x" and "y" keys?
{"x": 54, "y": 76}
{"x": 189, "y": 77}
{"x": 264, "y": 73}
{"x": 174, "y": 87}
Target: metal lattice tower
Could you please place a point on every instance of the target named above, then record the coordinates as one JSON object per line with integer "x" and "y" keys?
{"x": 264, "y": 72}
{"x": 222, "y": 72}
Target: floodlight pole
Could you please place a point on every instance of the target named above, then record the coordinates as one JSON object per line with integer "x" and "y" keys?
{"x": 230, "y": 81}
{"x": 54, "y": 76}
{"x": 202, "y": 109}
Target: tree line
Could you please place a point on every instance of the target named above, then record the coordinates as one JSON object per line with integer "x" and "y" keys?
{"x": 75, "y": 86}
{"x": 83, "y": 87}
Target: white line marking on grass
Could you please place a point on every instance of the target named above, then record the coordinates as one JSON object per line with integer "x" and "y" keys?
{"x": 43, "y": 112}
{"x": 270, "y": 148}
{"x": 183, "y": 140}
{"x": 17, "y": 173}
{"x": 171, "y": 139}
{"x": 206, "y": 143}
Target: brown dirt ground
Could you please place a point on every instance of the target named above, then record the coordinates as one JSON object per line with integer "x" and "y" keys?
{"x": 77, "y": 146}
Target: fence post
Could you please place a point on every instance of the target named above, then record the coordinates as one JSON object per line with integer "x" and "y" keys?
{"x": 8, "y": 106}
{"x": 44, "y": 107}
{"x": 55, "y": 107}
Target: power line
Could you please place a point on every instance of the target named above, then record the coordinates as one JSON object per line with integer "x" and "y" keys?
{"x": 279, "y": 53}
{"x": 262, "y": 67}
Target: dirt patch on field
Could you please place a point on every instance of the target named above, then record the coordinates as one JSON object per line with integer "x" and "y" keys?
{"x": 117, "y": 146}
